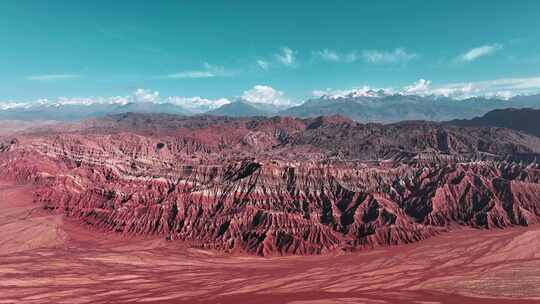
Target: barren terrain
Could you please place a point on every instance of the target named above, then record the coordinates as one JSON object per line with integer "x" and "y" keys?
{"x": 165, "y": 209}
{"x": 50, "y": 259}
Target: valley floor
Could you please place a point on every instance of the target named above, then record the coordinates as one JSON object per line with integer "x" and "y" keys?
{"x": 46, "y": 258}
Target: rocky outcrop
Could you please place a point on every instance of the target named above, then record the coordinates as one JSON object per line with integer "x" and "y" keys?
{"x": 280, "y": 185}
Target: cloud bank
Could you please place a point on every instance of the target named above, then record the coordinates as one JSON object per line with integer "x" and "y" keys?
{"x": 261, "y": 94}
{"x": 503, "y": 88}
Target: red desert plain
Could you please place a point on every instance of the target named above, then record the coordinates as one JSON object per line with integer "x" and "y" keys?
{"x": 47, "y": 258}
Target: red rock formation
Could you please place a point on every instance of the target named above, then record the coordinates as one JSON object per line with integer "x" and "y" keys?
{"x": 279, "y": 185}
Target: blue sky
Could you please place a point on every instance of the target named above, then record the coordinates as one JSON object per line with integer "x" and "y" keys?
{"x": 216, "y": 49}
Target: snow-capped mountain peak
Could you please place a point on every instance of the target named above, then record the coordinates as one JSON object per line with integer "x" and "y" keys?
{"x": 365, "y": 91}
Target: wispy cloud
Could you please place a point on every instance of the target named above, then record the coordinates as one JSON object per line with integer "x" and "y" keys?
{"x": 335, "y": 56}
{"x": 263, "y": 64}
{"x": 286, "y": 56}
{"x": 208, "y": 71}
{"x": 399, "y": 55}
{"x": 327, "y": 55}
{"x": 52, "y": 77}
{"x": 480, "y": 51}
{"x": 192, "y": 74}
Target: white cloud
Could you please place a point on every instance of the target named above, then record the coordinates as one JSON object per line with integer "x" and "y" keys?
{"x": 263, "y": 64}
{"x": 266, "y": 95}
{"x": 8, "y": 105}
{"x": 420, "y": 87}
{"x": 286, "y": 56}
{"x": 480, "y": 51}
{"x": 208, "y": 71}
{"x": 321, "y": 93}
{"x": 139, "y": 95}
{"x": 501, "y": 95}
{"x": 198, "y": 104}
{"x": 52, "y": 77}
{"x": 503, "y": 88}
{"x": 194, "y": 104}
{"x": 75, "y": 101}
{"x": 423, "y": 88}
{"x": 399, "y": 55}
{"x": 514, "y": 83}
{"x": 142, "y": 95}
{"x": 88, "y": 100}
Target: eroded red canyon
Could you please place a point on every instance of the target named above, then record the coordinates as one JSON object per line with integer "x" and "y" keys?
{"x": 192, "y": 201}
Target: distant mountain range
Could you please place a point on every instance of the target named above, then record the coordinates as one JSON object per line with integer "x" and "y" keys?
{"x": 242, "y": 108}
{"x": 373, "y": 107}
{"x": 393, "y": 108}
{"x": 74, "y": 112}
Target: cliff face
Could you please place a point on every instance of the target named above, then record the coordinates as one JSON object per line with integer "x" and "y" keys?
{"x": 280, "y": 185}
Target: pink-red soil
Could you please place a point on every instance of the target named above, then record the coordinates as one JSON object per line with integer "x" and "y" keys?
{"x": 48, "y": 258}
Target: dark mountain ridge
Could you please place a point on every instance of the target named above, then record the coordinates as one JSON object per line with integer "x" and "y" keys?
{"x": 526, "y": 120}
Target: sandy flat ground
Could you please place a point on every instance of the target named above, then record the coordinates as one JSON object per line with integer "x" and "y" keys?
{"x": 46, "y": 258}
